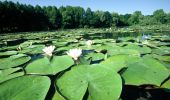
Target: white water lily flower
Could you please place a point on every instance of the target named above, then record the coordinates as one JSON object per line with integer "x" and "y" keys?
{"x": 145, "y": 42}
{"x": 49, "y": 50}
{"x": 74, "y": 53}
{"x": 89, "y": 42}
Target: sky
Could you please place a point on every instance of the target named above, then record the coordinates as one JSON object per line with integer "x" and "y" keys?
{"x": 147, "y": 7}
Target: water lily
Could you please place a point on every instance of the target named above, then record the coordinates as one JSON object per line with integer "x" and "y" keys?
{"x": 19, "y": 48}
{"x": 74, "y": 53}
{"x": 145, "y": 42}
{"x": 89, "y": 42}
{"x": 49, "y": 50}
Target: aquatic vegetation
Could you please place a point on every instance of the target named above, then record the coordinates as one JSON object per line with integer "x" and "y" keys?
{"x": 49, "y": 50}
{"x": 75, "y": 71}
{"x": 75, "y": 53}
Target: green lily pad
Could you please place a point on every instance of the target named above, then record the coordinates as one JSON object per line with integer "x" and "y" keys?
{"x": 161, "y": 51}
{"x": 14, "y": 61}
{"x": 101, "y": 83}
{"x": 117, "y": 62}
{"x": 8, "y": 53}
{"x": 57, "y": 96}
{"x": 166, "y": 86}
{"x": 162, "y": 58}
{"x": 145, "y": 71}
{"x": 48, "y": 66}
{"x": 34, "y": 49}
{"x": 123, "y": 51}
{"x": 95, "y": 56}
{"x": 143, "y": 50}
{"x": 25, "y": 88}
{"x": 9, "y": 74}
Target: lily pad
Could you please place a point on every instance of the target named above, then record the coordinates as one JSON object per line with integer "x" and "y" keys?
{"x": 166, "y": 85}
{"x": 9, "y": 74}
{"x": 33, "y": 49}
{"x": 143, "y": 50}
{"x": 117, "y": 62}
{"x": 95, "y": 56}
{"x": 25, "y": 88}
{"x": 57, "y": 96}
{"x": 14, "y": 61}
{"x": 48, "y": 66}
{"x": 123, "y": 51}
{"x": 8, "y": 53}
{"x": 101, "y": 83}
{"x": 146, "y": 71}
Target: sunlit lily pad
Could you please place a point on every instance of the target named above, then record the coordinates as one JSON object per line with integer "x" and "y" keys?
{"x": 10, "y": 73}
{"x": 33, "y": 49}
{"x": 25, "y": 88}
{"x": 122, "y": 51}
{"x": 117, "y": 62}
{"x": 14, "y": 61}
{"x": 101, "y": 84}
{"x": 142, "y": 50}
{"x": 146, "y": 71}
{"x": 8, "y": 53}
{"x": 48, "y": 66}
{"x": 95, "y": 56}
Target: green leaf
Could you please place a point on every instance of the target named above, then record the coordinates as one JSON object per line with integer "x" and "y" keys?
{"x": 33, "y": 49}
{"x": 45, "y": 66}
{"x": 117, "y": 62}
{"x": 123, "y": 51}
{"x": 95, "y": 56}
{"x": 166, "y": 85}
{"x": 142, "y": 50}
{"x": 57, "y": 96}
{"x": 101, "y": 83}
{"x": 162, "y": 58}
{"x": 146, "y": 71}
{"x": 161, "y": 51}
{"x": 14, "y": 61}
{"x": 9, "y": 74}
{"x": 25, "y": 88}
{"x": 8, "y": 53}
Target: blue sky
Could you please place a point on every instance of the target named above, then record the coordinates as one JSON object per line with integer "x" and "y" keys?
{"x": 120, "y": 6}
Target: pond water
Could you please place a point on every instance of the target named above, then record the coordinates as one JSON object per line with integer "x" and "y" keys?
{"x": 117, "y": 35}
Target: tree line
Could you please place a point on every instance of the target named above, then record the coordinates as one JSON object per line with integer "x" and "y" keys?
{"x": 15, "y": 17}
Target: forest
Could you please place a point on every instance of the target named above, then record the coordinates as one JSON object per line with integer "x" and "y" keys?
{"x": 16, "y": 17}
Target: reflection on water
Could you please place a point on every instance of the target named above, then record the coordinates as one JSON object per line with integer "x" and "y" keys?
{"x": 107, "y": 35}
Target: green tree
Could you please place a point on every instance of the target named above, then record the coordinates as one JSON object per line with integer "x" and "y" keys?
{"x": 115, "y": 19}
{"x": 54, "y": 17}
{"x": 135, "y": 18}
{"x": 106, "y": 19}
{"x": 160, "y": 16}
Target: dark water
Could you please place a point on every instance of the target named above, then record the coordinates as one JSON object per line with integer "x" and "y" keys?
{"x": 115, "y": 35}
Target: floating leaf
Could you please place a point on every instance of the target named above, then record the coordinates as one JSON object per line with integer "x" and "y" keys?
{"x": 101, "y": 83}
{"x": 145, "y": 71}
{"x": 25, "y": 88}
{"x": 57, "y": 96}
{"x": 142, "y": 50}
{"x": 9, "y": 74}
{"x": 117, "y": 62}
{"x": 122, "y": 51}
{"x": 14, "y": 61}
{"x": 8, "y": 53}
{"x": 47, "y": 66}
{"x": 95, "y": 56}
{"x": 34, "y": 49}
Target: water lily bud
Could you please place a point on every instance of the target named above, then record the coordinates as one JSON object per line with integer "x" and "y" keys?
{"x": 74, "y": 53}
{"x": 49, "y": 50}
{"x": 89, "y": 42}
